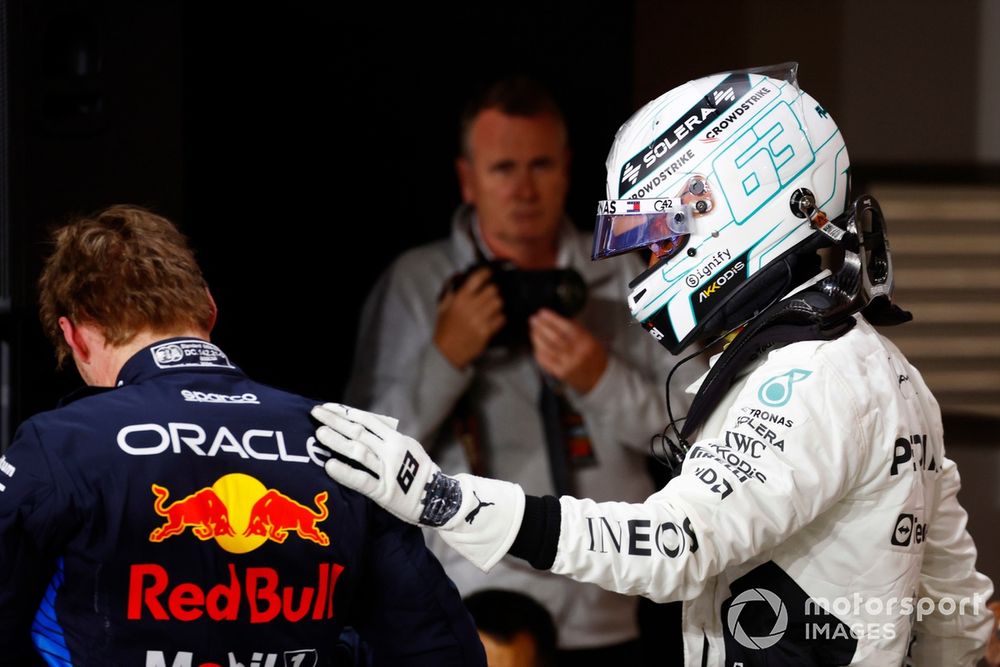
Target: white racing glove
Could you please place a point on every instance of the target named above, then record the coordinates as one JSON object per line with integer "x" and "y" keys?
{"x": 476, "y": 516}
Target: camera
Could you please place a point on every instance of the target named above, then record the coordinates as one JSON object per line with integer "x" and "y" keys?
{"x": 525, "y": 291}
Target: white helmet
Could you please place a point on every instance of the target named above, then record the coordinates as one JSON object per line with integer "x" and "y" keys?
{"x": 724, "y": 178}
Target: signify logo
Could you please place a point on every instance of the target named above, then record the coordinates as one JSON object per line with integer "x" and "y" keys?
{"x": 705, "y": 271}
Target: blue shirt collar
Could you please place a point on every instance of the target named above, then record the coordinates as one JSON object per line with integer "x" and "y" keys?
{"x": 172, "y": 354}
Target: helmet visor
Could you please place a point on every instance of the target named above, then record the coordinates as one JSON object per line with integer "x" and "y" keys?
{"x": 628, "y": 224}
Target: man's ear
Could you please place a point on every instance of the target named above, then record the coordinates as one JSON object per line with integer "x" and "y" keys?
{"x": 74, "y": 337}
{"x": 464, "y": 169}
{"x": 214, "y": 310}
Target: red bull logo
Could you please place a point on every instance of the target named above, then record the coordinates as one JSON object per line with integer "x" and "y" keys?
{"x": 240, "y": 514}
{"x": 201, "y": 511}
{"x": 275, "y": 514}
{"x": 256, "y": 594}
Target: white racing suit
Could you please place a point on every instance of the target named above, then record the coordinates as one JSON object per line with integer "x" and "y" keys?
{"x": 815, "y": 521}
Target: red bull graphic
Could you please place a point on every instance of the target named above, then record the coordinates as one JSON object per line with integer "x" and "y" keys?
{"x": 202, "y": 511}
{"x": 240, "y": 514}
{"x": 275, "y": 514}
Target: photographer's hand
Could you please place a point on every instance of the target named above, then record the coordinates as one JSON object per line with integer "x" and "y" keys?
{"x": 567, "y": 351}
{"x": 467, "y": 318}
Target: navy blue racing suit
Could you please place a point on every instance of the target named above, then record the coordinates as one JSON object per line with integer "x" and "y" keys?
{"x": 183, "y": 519}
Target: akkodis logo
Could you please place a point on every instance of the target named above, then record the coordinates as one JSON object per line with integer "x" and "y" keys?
{"x": 757, "y": 595}
{"x": 240, "y": 514}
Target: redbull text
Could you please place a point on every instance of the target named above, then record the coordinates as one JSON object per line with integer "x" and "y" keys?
{"x": 256, "y": 596}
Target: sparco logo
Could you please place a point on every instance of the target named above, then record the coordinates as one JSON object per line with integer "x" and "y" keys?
{"x": 754, "y": 596}
{"x": 203, "y": 397}
{"x": 680, "y": 133}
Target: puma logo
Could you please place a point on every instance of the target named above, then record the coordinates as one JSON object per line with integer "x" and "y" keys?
{"x": 472, "y": 515}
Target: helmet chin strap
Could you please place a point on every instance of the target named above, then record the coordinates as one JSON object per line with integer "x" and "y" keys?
{"x": 822, "y": 311}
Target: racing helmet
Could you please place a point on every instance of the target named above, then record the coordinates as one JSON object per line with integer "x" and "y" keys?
{"x": 725, "y": 179}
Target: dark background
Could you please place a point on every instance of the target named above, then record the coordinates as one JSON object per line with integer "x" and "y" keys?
{"x": 300, "y": 147}
{"x": 303, "y": 145}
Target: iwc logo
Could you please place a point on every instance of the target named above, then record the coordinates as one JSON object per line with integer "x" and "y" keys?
{"x": 757, "y": 595}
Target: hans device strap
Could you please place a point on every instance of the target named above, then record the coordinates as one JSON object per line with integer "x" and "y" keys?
{"x": 791, "y": 320}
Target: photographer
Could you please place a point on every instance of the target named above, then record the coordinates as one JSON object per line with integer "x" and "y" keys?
{"x": 559, "y": 404}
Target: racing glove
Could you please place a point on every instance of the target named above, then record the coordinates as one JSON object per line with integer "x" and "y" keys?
{"x": 476, "y": 516}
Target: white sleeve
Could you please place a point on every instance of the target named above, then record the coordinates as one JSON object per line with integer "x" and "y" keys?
{"x": 740, "y": 492}
{"x": 952, "y": 623}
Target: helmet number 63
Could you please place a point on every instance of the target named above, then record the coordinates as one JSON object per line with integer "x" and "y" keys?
{"x": 762, "y": 161}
